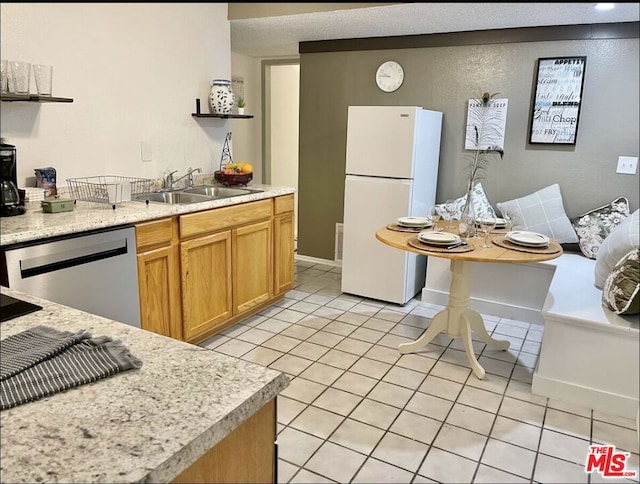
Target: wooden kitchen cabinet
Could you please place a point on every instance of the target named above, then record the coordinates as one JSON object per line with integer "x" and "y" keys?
{"x": 157, "y": 247}
{"x": 283, "y": 244}
{"x": 252, "y": 275}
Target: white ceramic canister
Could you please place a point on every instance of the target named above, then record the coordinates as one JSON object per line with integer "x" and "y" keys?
{"x": 221, "y": 97}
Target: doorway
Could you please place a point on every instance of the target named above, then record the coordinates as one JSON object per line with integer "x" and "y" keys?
{"x": 281, "y": 98}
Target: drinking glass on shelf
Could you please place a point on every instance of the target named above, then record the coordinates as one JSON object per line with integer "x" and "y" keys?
{"x": 450, "y": 209}
{"x": 487, "y": 224}
{"x": 434, "y": 216}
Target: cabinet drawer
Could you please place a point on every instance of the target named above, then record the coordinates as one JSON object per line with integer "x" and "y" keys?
{"x": 155, "y": 233}
{"x": 220, "y": 218}
{"x": 283, "y": 204}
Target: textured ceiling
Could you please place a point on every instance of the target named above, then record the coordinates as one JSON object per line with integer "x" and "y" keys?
{"x": 279, "y": 36}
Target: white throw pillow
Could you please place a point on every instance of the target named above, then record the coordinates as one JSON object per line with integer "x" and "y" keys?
{"x": 481, "y": 205}
{"x": 615, "y": 246}
{"x": 543, "y": 212}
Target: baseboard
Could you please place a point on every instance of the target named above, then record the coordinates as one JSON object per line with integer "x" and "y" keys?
{"x": 485, "y": 306}
{"x": 607, "y": 402}
{"x": 316, "y": 260}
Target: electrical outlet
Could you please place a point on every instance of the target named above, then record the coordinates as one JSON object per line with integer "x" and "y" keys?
{"x": 145, "y": 150}
{"x": 627, "y": 165}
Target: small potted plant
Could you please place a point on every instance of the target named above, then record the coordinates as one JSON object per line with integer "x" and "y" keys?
{"x": 241, "y": 103}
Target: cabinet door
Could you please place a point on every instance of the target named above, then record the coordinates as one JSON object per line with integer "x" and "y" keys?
{"x": 252, "y": 277}
{"x": 206, "y": 282}
{"x": 159, "y": 290}
{"x": 283, "y": 259}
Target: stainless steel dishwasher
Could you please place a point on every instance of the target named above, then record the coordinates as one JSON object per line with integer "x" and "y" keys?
{"x": 93, "y": 271}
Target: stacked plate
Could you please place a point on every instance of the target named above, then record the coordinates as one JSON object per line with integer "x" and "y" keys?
{"x": 440, "y": 239}
{"x": 414, "y": 222}
{"x": 528, "y": 239}
{"x": 500, "y": 222}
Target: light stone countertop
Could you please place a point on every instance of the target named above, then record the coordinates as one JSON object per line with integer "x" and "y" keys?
{"x": 36, "y": 224}
{"x": 144, "y": 425}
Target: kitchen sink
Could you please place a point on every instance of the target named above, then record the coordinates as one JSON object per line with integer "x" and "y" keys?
{"x": 219, "y": 192}
{"x": 177, "y": 197}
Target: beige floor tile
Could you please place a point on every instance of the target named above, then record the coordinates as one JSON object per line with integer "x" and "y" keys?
{"x": 357, "y": 436}
{"x": 304, "y": 306}
{"x": 406, "y": 331}
{"x": 289, "y": 316}
{"x": 522, "y": 373}
{"x": 273, "y": 325}
{"x": 306, "y": 477}
{"x": 509, "y": 458}
{"x": 335, "y": 462}
{"x": 340, "y": 304}
{"x": 375, "y": 413}
{"x": 338, "y": 327}
{"x": 416, "y": 362}
{"x": 471, "y": 419}
{"x": 321, "y": 373}
{"x": 281, "y": 343}
{"x": 328, "y": 312}
{"x": 569, "y": 407}
{"x": 352, "y": 318}
{"x": 482, "y": 399}
{"x": 315, "y": 322}
{"x": 214, "y": 342}
{"x": 440, "y": 387}
{"x": 564, "y": 446}
{"x": 290, "y": 364}
{"x": 522, "y": 391}
{"x": 378, "y": 324}
{"x": 496, "y": 367}
{"x": 390, "y": 315}
{"x": 303, "y": 390}
{"x": 309, "y": 351}
{"x": 449, "y": 371}
{"x": 382, "y": 353}
{"x": 298, "y": 331}
{"x": 337, "y": 401}
{"x": 524, "y": 411}
{"x": 390, "y": 394}
{"x": 490, "y": 382}
{"x": 629, "y": 423}
{"x": 568, "y": 423}
{"x": 489, "y": 475}
{"x": 444, "y": 466}
{"x": 460, "y": 441}
{"x": 354, "y": 346}
{"x": 368, "y": 367}
{"x": 414, "y": 426}
{"x": 262, "y": 356}
{"x": 375, "y": 471}
{"x": 325, "y": 339}
{"x": 621, "y": 437}
{"x": 339, "y": 359}
{"x": 235, "y": 330}
{"x": 366, "y": 334}
{"x": 235, "y": 348}
{"x": 318, "y": 299}
{"x": 430, "y": 406}
{"x": 285, "y": 471}
{"x": 316, "y": 421}
{"x": 552, "y": 470}
{"x": 296, "y": 447}
{"x": 354, "y": 383}
{"x": 393, "y": 340}
{"x": 288, "y": 409}
{"x": 404, "y": 377}
{"x": 516, "y": 432}
{"x": 400, "y": 451}
{"x": 455, "y": 357}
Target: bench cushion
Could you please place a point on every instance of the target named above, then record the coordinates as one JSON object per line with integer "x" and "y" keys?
{"x": 618, "y": 243}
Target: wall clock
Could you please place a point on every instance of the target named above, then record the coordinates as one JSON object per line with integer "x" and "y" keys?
{"x": 389, "y": 76}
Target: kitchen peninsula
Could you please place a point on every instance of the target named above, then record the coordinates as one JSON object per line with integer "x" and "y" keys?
{"x": 166, "y": 421}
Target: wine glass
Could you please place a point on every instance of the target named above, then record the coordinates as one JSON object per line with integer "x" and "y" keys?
{"x": 450, "y": 208}
{"x": 434, "y": 215}
{"x": 487, "y": 224}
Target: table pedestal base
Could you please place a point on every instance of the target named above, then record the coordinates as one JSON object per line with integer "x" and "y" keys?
{"x": 458, "y": 320}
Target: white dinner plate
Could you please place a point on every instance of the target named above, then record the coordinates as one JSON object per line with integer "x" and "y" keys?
{"x": 500, "y": 222}
{"x": 529, "y": 239}
{"x": 414, "y": 222}
{"x": 438, "y": 238}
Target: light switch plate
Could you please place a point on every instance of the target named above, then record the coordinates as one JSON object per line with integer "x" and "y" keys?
{"x": 145, "y": 150}
{"x": 627, "y": 165}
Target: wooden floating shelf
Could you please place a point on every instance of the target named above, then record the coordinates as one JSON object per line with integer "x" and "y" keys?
{"x": 33, "y": 98}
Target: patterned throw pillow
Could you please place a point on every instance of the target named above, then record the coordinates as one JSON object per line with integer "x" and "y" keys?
{"x": 481, "y": 205}
{"x": 621, "y": 240}
{"x": 543, "y": 212}
{"x": 594, "y": 226}
{"x": 621, "y": 293}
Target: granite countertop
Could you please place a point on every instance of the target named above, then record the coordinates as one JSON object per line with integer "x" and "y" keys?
{"x": 144, "y": 425}
{"x": 35, "y": 224}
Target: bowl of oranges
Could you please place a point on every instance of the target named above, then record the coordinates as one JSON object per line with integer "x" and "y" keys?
{"x": 238, "y": 173}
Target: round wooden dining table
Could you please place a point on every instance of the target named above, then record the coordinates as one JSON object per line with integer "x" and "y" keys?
{"x": 458, "y": 319}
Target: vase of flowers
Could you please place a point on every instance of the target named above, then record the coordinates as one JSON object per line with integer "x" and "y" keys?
{"x": 484, "y": 129}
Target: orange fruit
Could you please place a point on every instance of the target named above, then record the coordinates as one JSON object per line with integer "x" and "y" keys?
{"x": 247, "y": 167}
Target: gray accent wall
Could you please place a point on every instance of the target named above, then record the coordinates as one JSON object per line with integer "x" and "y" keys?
{"x": 443, "y": 78}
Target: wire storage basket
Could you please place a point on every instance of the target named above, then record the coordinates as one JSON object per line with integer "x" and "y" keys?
{"x": 107, "y": 189}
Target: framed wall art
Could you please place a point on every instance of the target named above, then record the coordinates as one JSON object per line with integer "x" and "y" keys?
{"x": 557, "y": 100}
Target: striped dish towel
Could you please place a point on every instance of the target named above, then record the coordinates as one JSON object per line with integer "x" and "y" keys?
{"x": 43, "y": 361}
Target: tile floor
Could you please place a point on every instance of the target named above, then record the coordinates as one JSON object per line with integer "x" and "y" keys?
{"x": 357, "y": 410}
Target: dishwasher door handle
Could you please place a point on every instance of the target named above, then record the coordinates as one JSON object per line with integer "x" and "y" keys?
{"x": 35, "y": 266}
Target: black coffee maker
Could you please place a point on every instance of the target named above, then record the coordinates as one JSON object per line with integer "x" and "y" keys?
{"x": 10, "y": 201}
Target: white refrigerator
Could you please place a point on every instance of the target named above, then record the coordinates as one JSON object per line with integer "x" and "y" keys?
{"x": 392, "y": 162}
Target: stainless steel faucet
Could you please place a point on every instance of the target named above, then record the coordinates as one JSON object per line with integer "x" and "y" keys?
{"x": 170, "y": 181}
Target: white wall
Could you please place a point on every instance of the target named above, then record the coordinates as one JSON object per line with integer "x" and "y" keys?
{"x": 134, "y": 71}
